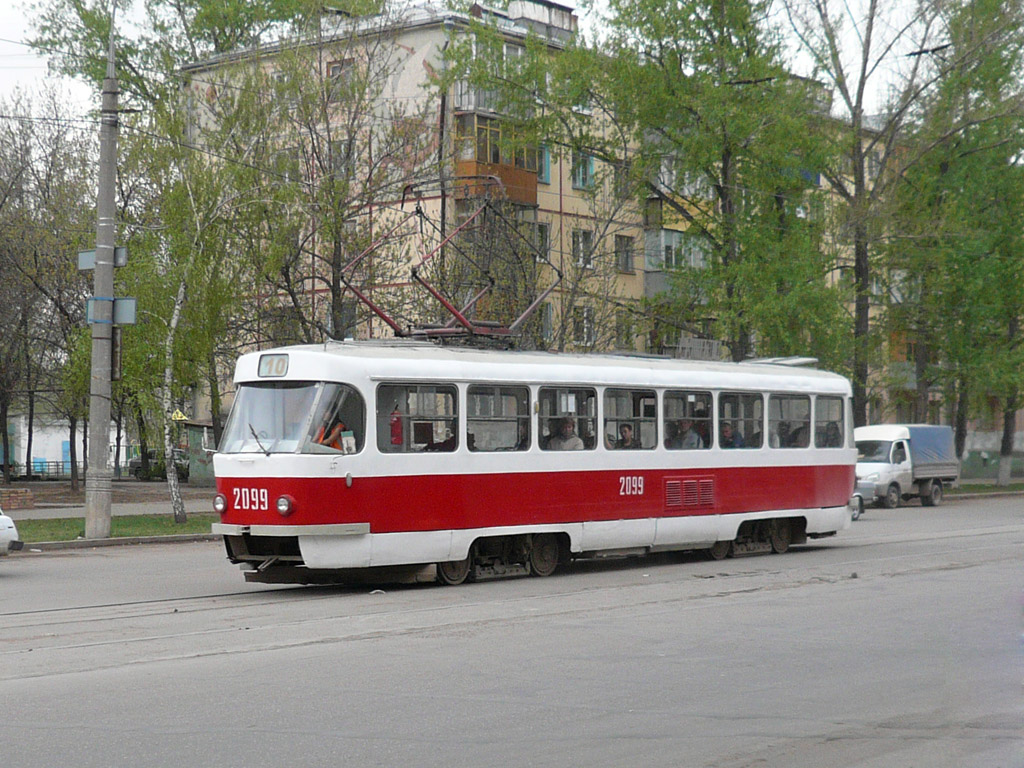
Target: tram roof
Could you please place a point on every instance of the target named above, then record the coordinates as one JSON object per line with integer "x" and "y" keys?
{"x": 424, "y": 361}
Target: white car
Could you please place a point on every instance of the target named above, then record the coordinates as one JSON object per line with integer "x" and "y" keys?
{"x": 9, "y": 541}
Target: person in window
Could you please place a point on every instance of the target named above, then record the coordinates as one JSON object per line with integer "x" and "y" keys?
{"x": 730, "y": 438}
{"x": 781, "y": 437}
{"x": 448, "y": 444}
{"x": 566, "y": 438}
{"x": 330, "y": 433}
{"x": 833, "y": 439}
{"x": 626, "y": 439}
{"x": 686, "y": 436}
{"x": 523, "y": 443}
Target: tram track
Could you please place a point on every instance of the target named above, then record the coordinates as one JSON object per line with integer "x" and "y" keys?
{"x": 71, "y": 639}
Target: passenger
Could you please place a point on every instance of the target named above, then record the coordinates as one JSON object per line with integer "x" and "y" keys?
{"x": 566, "y": 438}
{"x": 626, "y": 440}
{"x": 730, "y": 439}
{"x": 798, "y": 438}
{"x": 523, "y": 444}
{"x": 833, "y": 438}
{"x": 687, "y": 436}
{"x": 781, "y": 437}
{"x": 449, "y": 443}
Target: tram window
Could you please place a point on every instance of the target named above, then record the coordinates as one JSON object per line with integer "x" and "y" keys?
{"x": 740, "y": 420}
{"x": 828, "y": 422}
{"x": 338, "y": 423}
{"x": 789, "y": 421}
{"x": 568, "y": 418}
{"x": 269, "y": 417}
{"x": 498, "y": 418}
{"x": 417, "y": 417}
{"x": 688, "y": 420}
{"x": 630, "y": 419}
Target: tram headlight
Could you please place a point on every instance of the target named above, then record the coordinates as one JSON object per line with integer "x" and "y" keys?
{"x": 285, "y": 505}
{"x": 220, "y": 503}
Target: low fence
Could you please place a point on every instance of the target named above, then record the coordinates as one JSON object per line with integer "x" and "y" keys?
{"x": 58, "y": 470}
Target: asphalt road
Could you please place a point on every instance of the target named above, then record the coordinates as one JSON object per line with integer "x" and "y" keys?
{"x": 897, "y": 643}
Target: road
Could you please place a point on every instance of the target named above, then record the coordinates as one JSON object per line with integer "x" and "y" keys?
{"x": 897, "y": 643}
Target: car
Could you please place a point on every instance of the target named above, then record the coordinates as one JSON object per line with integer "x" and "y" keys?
{"x": 158, "y": 468}
{"x": 9, "y": 541}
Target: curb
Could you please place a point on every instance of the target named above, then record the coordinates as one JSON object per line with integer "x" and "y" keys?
{"x": 118, "y": 541}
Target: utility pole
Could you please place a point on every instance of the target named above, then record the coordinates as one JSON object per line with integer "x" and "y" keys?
{"x": 97, "y": 480}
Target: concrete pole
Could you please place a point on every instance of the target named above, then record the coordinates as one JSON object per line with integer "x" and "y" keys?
{"x": 97, "y": 480}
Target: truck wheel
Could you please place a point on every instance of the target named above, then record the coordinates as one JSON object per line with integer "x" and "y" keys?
{"x": 858, "y": 508}
{"x": 934, "y": 495}
{"x": 892, "y": 497}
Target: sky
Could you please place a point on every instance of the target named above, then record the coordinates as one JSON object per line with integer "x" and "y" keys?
{"x": 19, "y": 65}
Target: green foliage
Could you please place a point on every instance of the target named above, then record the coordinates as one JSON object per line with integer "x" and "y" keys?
{"x": 121, "y": 526}
{"x": 694, "y": 99}
{"x": 956, "y": 286}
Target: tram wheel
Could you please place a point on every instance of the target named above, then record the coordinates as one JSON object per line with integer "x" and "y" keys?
{"x": 720, "y": 550}
{"x": 544, "y": 554}
{"x": 454, "y": 572}
{"x": 781, "y": 535}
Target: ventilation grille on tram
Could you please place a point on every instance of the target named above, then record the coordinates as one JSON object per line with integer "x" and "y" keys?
{"x": 690, "y": 494}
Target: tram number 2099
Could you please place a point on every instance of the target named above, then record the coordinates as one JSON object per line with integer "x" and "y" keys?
{"x": 631, "y": 485}
{"x": 252, "y": 498}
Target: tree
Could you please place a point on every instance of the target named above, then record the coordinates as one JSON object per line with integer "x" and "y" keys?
{"x": 692, "y": 101}
{"x": 956, "y": 245}
{"x": 45, "y": 216}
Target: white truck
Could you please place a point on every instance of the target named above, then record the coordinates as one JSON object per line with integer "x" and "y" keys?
{"x": 901, "y": 461}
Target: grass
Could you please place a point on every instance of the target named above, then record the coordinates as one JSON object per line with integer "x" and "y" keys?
{"x": 987, "y": 487}
{"x": 125, "y": 526}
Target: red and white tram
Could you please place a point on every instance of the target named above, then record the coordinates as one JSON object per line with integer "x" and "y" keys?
{"x": 364, "y": 455}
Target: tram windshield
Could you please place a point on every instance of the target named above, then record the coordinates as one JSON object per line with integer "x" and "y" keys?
{"x": 294, "y": 416}
{"x": 873, "y": 450}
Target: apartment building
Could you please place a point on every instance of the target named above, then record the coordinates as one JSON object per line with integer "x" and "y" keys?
{"x": 418, "y": 162}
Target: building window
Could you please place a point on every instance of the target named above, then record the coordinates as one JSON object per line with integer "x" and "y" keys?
{"x": 543, "y": 165}
{"x": 488, "y": 141}
{"x": 342, "y": 160}
{"x": 547, "y": 322}
{"x": 542, "y": 240}
{"x": 583, "y": 248}
{"x": 624, "y": 253}
{"x": 583, "y": 326}
{"x": 339, "y": 79}
{"x": 623, "y": 180}
{"x": 624, "y": 331}
{"x": 582, "y": 170}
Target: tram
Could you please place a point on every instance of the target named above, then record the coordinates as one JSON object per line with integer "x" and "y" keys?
{"x": 456, "y": 463}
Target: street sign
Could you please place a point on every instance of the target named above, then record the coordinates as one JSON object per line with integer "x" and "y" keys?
{"x": 178, "y": 415}
{"x": 87, "y": 259}
{"x": 124, "y": 311}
